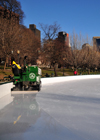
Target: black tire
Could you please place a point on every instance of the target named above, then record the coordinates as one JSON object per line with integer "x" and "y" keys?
{"x": 38, "y": 87}
{"x": 17, "y": 87}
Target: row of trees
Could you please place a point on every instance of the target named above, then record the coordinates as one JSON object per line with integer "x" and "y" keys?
{"x": 55, "y": 52}
{"x": 14, "y": 36}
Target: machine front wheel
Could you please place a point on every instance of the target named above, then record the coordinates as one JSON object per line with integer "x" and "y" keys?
{"x": 39, "y": 87}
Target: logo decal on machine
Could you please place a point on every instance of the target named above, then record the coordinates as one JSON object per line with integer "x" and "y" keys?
{"x": 31, "y": 75}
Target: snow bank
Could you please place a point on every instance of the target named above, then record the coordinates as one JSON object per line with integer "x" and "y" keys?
{"x": 5, "y": 89}
{"x": 51, "y": 80}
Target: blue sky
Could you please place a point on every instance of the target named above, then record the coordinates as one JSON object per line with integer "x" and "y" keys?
{"x": 72, "y": 15}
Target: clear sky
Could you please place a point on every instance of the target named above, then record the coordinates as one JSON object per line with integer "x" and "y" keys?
{"x": 78, "y": 15}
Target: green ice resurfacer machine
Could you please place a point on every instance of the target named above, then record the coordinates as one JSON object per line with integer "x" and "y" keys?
{"x": 26, "y": 79}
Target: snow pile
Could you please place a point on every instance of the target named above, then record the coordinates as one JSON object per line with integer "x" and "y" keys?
{"x": 51, "y": 80}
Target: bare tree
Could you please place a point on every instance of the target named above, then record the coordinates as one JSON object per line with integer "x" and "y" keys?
{"x": 50, "y": 32}
{"x": 30, "y": 45}
{"x": 54, "y": 52}
{"x": 9, "y": 37}
{"x": 75, "y": 41}
{"x": 13, "y": 6}
{"x": 76, "y": 46}
{"x": 90, "y": 58}
{"x": 14, "y": 37}
{"x": 50, "y": 48}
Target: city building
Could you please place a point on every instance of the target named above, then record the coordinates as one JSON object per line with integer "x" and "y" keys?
{"x": 86, "y": 45}
{"x": 63, "y": 36}
{"x": 96, "y": 43}
{"x": 35, "y": 30}
{"x": 6, "y": 14}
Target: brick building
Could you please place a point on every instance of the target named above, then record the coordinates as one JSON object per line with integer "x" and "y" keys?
{"x": 96, "y": 43}
{"x": 35, "y": 30}
{"x": 6, "y": 14}
{"x": 63, "y": 36}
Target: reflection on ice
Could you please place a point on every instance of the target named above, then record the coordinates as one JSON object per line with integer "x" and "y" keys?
{"x": 26, "y": 105}
{"x": 24, "y": 120}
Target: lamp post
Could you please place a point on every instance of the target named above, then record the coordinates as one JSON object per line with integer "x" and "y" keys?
{"x": 18, "y": 52}
{"x": 12, "y": 52}
{"x": 63, "y": 65}
{"x": 11, "y": 56}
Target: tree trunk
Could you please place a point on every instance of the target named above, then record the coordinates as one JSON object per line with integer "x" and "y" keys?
{"x": 5, "y": 63}
{"x": 88, "y": 71}
{"x": 55, "y": 71}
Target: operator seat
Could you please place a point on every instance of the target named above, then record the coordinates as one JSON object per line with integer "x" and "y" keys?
{"x": 16, "y": 69}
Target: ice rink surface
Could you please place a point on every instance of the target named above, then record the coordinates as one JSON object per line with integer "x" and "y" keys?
{"x": 75, "y": 105}
{"x": 60, "y": 111}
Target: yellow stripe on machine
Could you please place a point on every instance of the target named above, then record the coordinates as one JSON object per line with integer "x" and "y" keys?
{"x": 14, "y": 63}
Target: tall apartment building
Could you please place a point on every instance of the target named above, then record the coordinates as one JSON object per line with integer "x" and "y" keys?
{"x": 35, "y": 30}
{"x": 63, "y": 36}
{"x": 6, "y": 14}
{"x": 96, "y": 43}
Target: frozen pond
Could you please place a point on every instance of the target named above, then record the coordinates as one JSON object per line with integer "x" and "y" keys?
{"x": 75, "y": 105}
{"x": 68, "y": 110}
